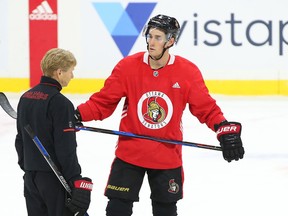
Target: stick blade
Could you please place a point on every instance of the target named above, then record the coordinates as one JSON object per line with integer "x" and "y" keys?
{"x": 5, "y": 104}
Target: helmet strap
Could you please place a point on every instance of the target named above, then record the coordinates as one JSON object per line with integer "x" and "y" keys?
{"x": 164, "y": 49}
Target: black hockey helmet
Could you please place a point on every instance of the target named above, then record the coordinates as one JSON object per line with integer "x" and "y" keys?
{"x": 169, "y": 25}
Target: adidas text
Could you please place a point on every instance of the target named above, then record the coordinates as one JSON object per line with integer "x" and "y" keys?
{"x": 43, "y": 16}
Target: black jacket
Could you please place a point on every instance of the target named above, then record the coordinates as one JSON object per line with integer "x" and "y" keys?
{"x": 49, "y": 113}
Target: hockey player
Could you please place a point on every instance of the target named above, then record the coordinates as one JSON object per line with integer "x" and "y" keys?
{"x": 156, "y": 86}
{"x": 51, "y": 115}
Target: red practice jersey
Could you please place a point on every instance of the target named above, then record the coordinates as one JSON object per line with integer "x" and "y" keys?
{"x": 154, "y": 105}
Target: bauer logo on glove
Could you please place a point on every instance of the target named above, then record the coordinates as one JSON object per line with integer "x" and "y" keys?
{"x": 229, "y": 135}
{"x": 228, "y": 129}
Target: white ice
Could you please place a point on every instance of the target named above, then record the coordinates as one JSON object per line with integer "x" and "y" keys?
{"x": 256, "y": 185}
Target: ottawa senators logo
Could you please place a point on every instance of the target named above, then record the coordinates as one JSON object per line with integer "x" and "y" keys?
{"x": 173, "y": 187}
{"x": 154, "y": 110}
{"x": 155, "y": 113}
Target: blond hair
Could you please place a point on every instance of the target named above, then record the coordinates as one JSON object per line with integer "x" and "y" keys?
{"x": 55, "y": 59}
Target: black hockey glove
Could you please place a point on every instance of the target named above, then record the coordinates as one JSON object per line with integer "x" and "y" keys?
{"x": 228, "y": 133}
{"x": 80, "y": 198}
{"x": 78, "y": 118}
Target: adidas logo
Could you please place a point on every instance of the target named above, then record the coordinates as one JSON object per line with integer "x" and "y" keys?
{"x": 43, "y": 12}
{"x": 176, "y": 85}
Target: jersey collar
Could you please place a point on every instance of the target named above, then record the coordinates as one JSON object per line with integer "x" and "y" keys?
{"x": 146, "y": 59}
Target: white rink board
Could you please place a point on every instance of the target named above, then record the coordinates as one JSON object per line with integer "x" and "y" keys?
{"x": 227, "y": 44}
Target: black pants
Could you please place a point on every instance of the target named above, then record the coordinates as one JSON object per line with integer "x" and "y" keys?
{"x": 44, "y": 195}
{"x": 125, "y": 181}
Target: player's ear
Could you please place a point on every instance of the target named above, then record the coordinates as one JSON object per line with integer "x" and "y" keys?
{"x": 170, "y": 42}
{"x": 56, "y": 74}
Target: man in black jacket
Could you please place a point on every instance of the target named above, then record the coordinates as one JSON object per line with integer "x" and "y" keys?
{"x": 51, "y": 115}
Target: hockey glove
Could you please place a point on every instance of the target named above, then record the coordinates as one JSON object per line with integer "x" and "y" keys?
{"x": 80, "y": 196}
{"x": 228, "y": 133}
{"x": 78, "y": 118}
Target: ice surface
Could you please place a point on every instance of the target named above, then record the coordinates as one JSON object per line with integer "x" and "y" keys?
{"x": 256, "y": 185}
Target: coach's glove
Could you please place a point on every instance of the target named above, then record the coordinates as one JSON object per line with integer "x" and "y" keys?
{"x": 78, "y": 118}
{"x": 228, "y": 133}
{"x": 80, "y": 198}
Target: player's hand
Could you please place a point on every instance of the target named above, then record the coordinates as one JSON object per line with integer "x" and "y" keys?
{"x": 229, "y": 135}
{"x": 78, "y": 118}
{"x": 80, "y": 198}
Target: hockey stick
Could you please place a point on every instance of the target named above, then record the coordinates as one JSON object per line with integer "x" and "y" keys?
{"x": 47, "y": 157}
{"x": 10, "y": 111}
{"x": 7, "y": 106}
{"x": 128, "y": 134}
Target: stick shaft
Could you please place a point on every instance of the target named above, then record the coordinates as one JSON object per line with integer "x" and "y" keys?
{"x": 47, "y": 157}
{"x": 8, "y": 108}
{"x": 49, "y": 160}
{"x": 128, "y": 134}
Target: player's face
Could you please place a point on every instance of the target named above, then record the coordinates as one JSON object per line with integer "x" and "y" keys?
{"x": 156, "y": 40}
{"x": 64, "y": 77}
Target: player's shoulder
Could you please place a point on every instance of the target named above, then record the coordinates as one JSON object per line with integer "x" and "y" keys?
{"x": 134, "y": 57}
{"x": 184, "y": 60}
{"x": 181, "y": 61}
{"x": 61, "y": 99}
{"x": 131, "y": 60}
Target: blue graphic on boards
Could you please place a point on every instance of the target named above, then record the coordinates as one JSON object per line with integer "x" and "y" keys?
{"x": 124, "y": 25}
